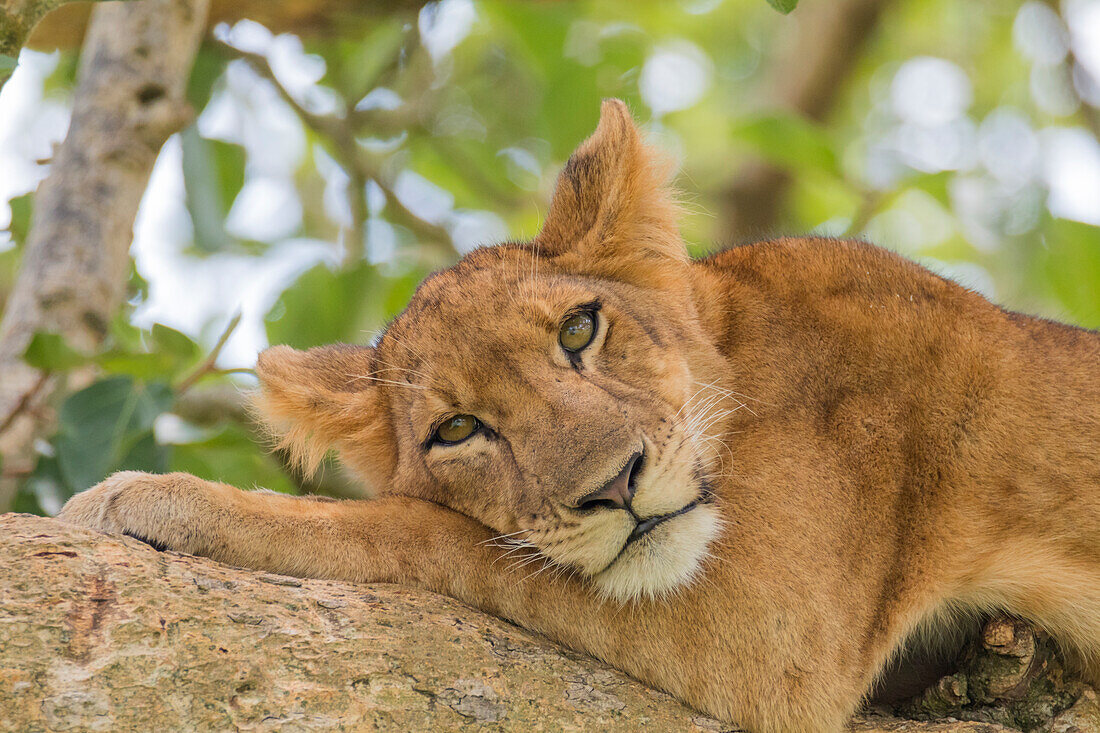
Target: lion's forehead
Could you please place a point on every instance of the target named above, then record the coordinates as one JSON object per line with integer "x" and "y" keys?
{"x": 465, "y": 354}
{"x": 486, "y": 373}
{"x": 487, "y": 312}
{"x": 489, "y": 270}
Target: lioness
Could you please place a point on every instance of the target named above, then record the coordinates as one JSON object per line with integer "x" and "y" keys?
{"x": 746, "y": 480}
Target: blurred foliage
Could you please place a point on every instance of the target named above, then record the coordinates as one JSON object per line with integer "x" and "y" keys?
{"x": 112, "y": 424}
{"x": 783, "y": 6}
{"x": 390, "y": 150}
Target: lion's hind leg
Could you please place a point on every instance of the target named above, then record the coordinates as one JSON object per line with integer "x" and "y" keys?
{"x": 1056, "y": 590}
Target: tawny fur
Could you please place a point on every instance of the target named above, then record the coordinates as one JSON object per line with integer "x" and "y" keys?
{"x": 877, "y": 449}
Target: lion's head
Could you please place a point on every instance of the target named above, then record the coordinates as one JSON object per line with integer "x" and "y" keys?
{"x": 548, "y": 389}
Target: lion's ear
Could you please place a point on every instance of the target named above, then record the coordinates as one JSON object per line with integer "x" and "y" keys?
{"x": 320, "y": 399}
{"x": 613, "y": 208}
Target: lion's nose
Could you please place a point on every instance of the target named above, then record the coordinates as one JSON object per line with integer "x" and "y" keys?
{"x": 616, "y": 493}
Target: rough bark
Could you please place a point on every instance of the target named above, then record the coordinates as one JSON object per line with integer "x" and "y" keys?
{"x": 129, "y": 100}
{"x": 819, "y": 45}
{"x": 105, "y": 633}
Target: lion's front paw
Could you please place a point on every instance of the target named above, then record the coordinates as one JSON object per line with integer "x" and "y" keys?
{"x": 170, "y": 512}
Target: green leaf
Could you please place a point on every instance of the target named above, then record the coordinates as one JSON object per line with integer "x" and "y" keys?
{"x": 564, "y": 95}
{"x": 789, "y": 141}
{"x": 213, "y": 174}
{"x": 145, "y": 455}
{"x": 125, "y": 335}
{"x": 138, "y": 366}
{"x": 44, "y": 490}
{"x": 137, "y": 287}
{"x": 7, "y": 64}
{"x": 48, "y": 352}
{"x": 26, "y": 501}
{"x": 936, "y": 185}
{"x": 101, "y": 425}
{"x": 163, "y": 353}
{"x": 323, "y": 307}
{"x": 175, "y": 344}
{"x": 22, "y": 208}
{"x": 208, "y": 68}
{"x": 61, "y": 82}
{"x": 360, "y": 65}
{"x": 783, "y": 6}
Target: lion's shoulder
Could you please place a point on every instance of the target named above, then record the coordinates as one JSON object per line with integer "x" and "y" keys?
{"x": 823, "y": 269}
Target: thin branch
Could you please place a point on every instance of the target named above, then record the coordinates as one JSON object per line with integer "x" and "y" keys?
{"x": 411, "y": 74}
{"x": 209, "y": 364}
{"x": 869, "y": 205}
{"x": 400, "y": 213}
{"x": 356, "y": 245}
{"x": 1074, "y": 69}
{"x": 1090, "y": 115}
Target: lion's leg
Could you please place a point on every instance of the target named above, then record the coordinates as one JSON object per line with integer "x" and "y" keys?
{"x": 309, "y": 537}
{"x": 1056, "y": 589}
{"x": 730, "y": 671}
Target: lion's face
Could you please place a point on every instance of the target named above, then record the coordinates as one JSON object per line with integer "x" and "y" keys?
{"x": 546, "y": 389}
{"x": 573, "y": 433}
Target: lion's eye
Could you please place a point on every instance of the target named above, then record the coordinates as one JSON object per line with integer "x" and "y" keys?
{"x": 577, "y": 331}
{"x": 457, "y": 429}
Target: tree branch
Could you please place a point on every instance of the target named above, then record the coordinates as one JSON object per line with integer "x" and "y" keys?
{"x": 129, "y": 100}
{"x": 17, "y": 19}
{"x": 821, "y": 45}
{"x": 107, "y": 620}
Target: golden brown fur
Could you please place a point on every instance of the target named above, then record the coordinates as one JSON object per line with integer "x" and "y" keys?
{"x": 873, "y": 449}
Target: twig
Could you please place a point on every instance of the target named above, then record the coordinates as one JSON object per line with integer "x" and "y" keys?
{"x": 356, "y": 245}
{"x": 209, "y": 364}
{"x": 1072, "y": 65}
{"x": 869, "y": 205}
{"x": 402, "y": 214}
{"x": 336, "y": 131}
{"x": 417, "y": 75}
{"x": 25, "y": 401}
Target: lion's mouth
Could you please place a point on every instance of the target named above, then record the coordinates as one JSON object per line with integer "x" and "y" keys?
{"x": 649, "y": 564}
{"x": 645, "y": 526}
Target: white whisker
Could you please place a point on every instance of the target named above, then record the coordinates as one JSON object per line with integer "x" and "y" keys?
{"x": 388, "y": 381}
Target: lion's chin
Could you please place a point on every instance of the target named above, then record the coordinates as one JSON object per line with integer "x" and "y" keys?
{"x": 667, "y": 559}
